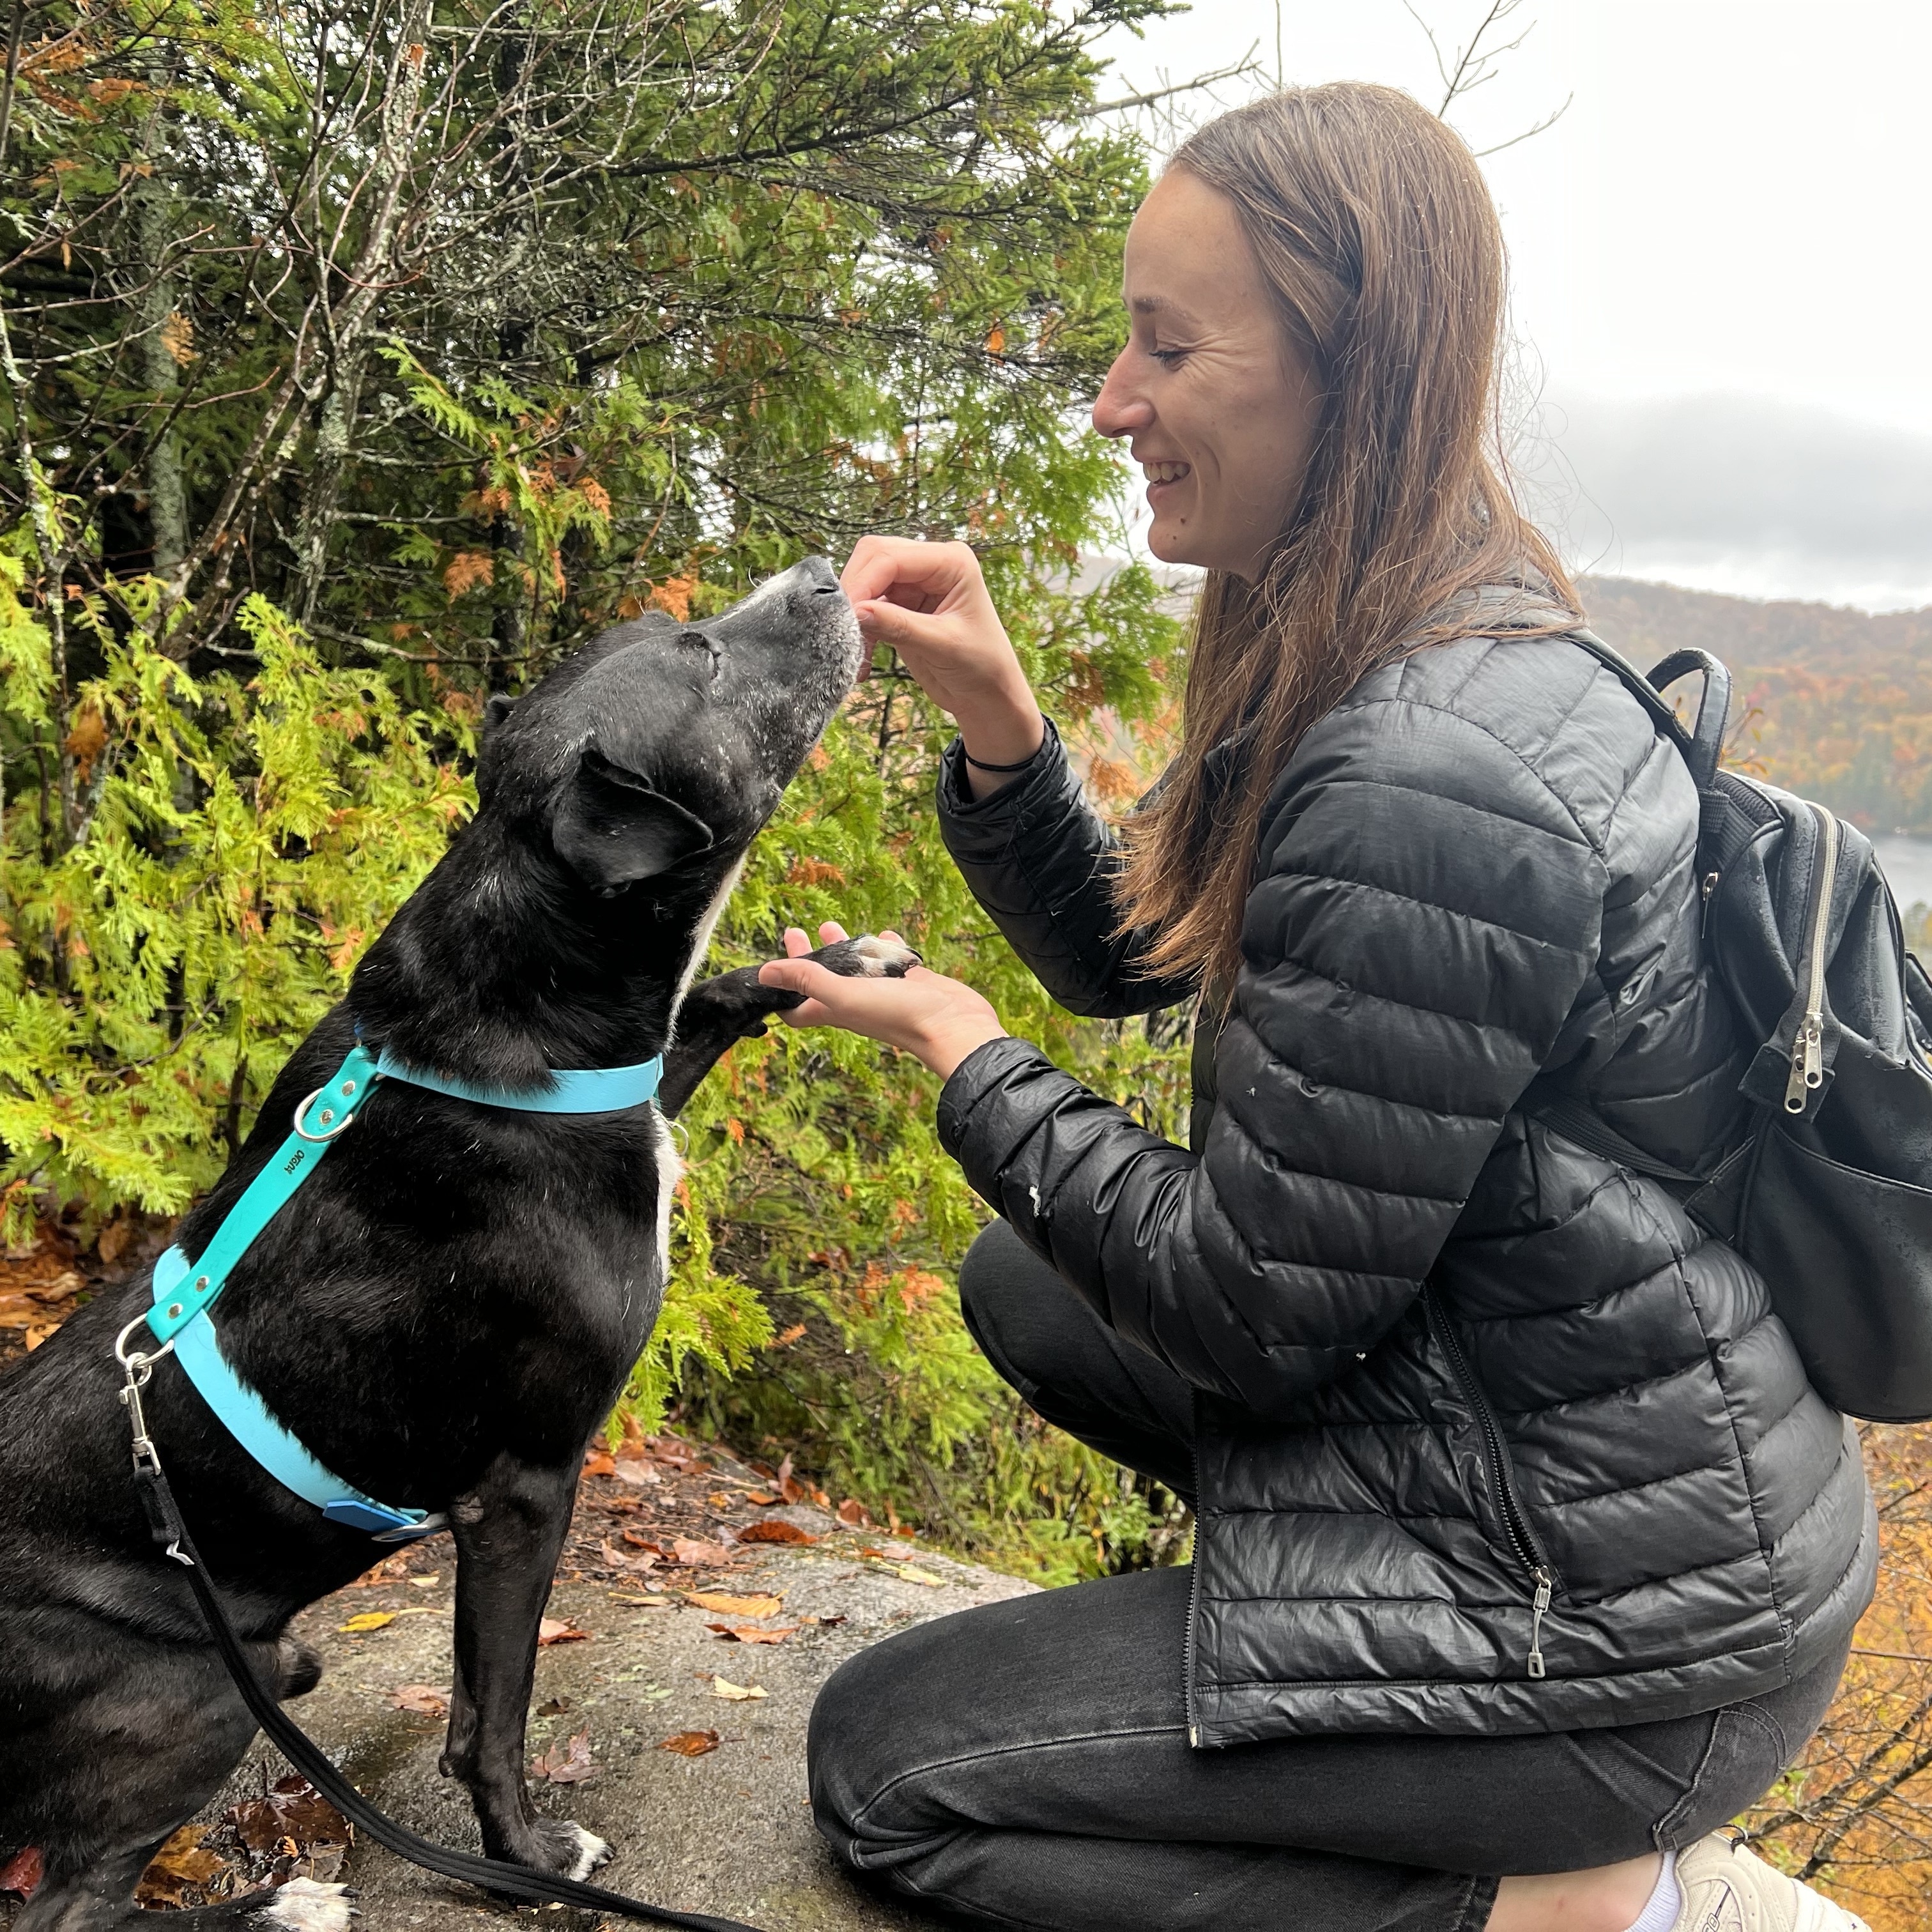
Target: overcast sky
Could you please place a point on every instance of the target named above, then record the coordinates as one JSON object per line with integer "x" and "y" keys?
{"x": 1721, "y": 261}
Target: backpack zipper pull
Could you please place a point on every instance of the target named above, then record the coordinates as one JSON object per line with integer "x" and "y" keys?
{"x": 1807, "y": 1063}
{"x": 1538, "y": 1604}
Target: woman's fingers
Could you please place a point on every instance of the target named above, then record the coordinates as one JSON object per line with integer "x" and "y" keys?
{"x": 796, "y": 945}
{"x": 920, "y": 575}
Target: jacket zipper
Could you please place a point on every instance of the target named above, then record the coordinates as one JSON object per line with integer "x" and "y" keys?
{"x": 1193, "y": 1594}
{"x": 1515, "y": 1523}
{"x": 1807, "y": 1046}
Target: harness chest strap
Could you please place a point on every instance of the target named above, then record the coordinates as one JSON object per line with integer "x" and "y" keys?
{"x": 184, "y": 1291}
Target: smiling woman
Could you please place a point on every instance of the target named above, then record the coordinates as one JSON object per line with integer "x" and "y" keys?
{"x": 1524, "y": 1556}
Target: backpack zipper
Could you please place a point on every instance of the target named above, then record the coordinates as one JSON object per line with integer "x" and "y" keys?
{"x": 1515, "y": 1523}
{"x": 1808, "y": 1045}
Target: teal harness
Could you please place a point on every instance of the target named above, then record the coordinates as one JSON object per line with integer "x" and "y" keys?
{"x": 185, "y": 1291}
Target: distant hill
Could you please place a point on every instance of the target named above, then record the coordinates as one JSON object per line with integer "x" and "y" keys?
{"x": 1832, "y": 703}
{"x": 1638, "y": 617}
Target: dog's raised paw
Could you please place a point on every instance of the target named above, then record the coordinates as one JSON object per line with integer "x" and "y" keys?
{"x": 303, "y": 1906}
{"x": 867, "y": 956}
{"x": 591, "y": 1852}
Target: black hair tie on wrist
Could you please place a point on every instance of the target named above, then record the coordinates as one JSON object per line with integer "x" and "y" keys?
{"x": 980, "y": 764}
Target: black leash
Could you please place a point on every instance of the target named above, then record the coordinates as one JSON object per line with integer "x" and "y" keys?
{"x": 521, "y": 1881}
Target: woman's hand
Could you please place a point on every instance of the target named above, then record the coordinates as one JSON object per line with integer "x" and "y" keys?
{"x": 938, "y": 1020}
{"x": 928, "y": 602}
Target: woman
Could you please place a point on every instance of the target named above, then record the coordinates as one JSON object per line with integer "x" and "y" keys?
{"x": 1523, "y": 1547}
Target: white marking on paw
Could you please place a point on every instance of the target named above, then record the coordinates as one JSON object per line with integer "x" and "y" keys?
{"x": 591, "y": 1852}
{"x": 303, "y": 1906}
{"x": 880, "y": 955}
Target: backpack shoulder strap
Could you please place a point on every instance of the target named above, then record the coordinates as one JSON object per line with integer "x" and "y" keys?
{"x": 1703, "y": 744}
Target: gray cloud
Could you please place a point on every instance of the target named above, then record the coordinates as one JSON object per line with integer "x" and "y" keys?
{"x": 1741, "y": 494}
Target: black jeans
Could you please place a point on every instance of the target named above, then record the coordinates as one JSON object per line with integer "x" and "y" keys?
{"x": 1028, "y": 1762}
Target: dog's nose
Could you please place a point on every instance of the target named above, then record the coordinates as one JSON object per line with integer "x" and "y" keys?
{"x": 818, "y": 572}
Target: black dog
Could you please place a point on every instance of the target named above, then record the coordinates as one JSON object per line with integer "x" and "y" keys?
{"x": 445, "y": 1313}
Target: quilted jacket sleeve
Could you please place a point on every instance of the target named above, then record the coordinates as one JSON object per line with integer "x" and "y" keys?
{"x": 1039, "y": 859}
{"x": 1425, "y": 914}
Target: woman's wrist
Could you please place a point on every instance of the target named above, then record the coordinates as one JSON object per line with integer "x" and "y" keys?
{"x": 1008, "y": 736}
{"x": 944, "y": 1048}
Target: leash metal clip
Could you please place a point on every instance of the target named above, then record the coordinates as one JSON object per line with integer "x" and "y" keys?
{"x": 137, "y": 1368}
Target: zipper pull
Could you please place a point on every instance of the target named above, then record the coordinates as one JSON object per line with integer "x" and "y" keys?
{"x": 1538, "y": 1604}
{"x": 1807, "y": 1064}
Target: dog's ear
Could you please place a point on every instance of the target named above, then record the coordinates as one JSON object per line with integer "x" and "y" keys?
{"x": 611, "y": 829}
{"x": 498, "y": 707}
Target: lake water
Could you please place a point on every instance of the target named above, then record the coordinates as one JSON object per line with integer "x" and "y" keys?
{"x": 1907, "y": 865}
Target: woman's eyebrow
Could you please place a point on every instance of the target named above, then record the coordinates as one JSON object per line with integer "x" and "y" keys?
{"x": 1163, "y": 305}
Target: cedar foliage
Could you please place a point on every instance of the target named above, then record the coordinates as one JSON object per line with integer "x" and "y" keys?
{"x": 360, "y": 360}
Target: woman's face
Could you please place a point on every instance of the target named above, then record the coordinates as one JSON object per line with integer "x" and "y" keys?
{"x": 1220, "y": 409}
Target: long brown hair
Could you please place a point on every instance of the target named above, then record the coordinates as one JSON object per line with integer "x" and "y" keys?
{"x": 1375, "y": 231}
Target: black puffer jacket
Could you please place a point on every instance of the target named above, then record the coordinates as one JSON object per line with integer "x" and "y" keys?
{"x": 1440, "y": 1351}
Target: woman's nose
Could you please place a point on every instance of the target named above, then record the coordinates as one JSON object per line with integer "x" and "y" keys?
{"x": 1118, "y": 410}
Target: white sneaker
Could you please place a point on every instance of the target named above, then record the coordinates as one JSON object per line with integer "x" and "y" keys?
{"x": 1726, "y": 1888}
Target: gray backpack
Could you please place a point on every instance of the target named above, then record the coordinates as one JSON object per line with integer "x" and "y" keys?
{"x": 1829, "y": 1195}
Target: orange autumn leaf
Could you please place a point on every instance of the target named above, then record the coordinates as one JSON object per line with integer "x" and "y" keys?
{"x": 774, "y": 1529}
{"x": 691, "y": 1744}
{"x": 561, "y": 1630}
{"x": 725, "y": 1605}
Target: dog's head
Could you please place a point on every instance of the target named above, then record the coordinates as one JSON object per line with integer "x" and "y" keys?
{"x": 661, "y": 748}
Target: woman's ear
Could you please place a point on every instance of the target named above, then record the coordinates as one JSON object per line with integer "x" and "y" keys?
{"x": 612, "y": 828}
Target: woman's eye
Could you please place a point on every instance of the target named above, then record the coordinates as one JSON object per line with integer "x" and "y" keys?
{"x": 1167, "y": 356}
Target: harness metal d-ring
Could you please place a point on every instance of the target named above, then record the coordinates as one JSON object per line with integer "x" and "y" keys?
{"x": 347, "y": 1121}
{"x": 140, "y": 1366}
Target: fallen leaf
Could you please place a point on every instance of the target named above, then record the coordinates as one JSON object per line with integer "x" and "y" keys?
{"x": 599, "y": 1462}
{"x": 633, "y": 1469}
{"x": 852, "y": 1514}
{"x": 823, "y": 1623}
{"x": 697, "y": 1555}
{"x": 691, "y": 1744}
{"x": 913, "y": 1575}
{"x": 567, "y": 1764}
{"x": 615, "y": 1558}
{"x": 561, "y": 1630}
{"x": 879, "y": 1553}
{"x": 727, "y": 1606}
{"x": 423, "y": 1699}
{"x": 761, "y": 1497}
{"x": 735, "y": 1693}
{"x": 790, "y": 1487}
{"x": 718, "y": 1499}
{"x": 367, "y": 1620}
{"x": 774, "y": 1529}
{"x": 750, "y": 1633}
{"x": 21, "y": 1874}
{"x": 646, "y": 1603}
{"x": 553, "y": 1707}
{"x": 638, "y": 1540}
{"x": 421, "y": 1610}
{"x": 180, "y": 1873}
{"x": 387, "y": 1571}
{"x": 293, "y": 1813}
{"x": 426, "y": 1582}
